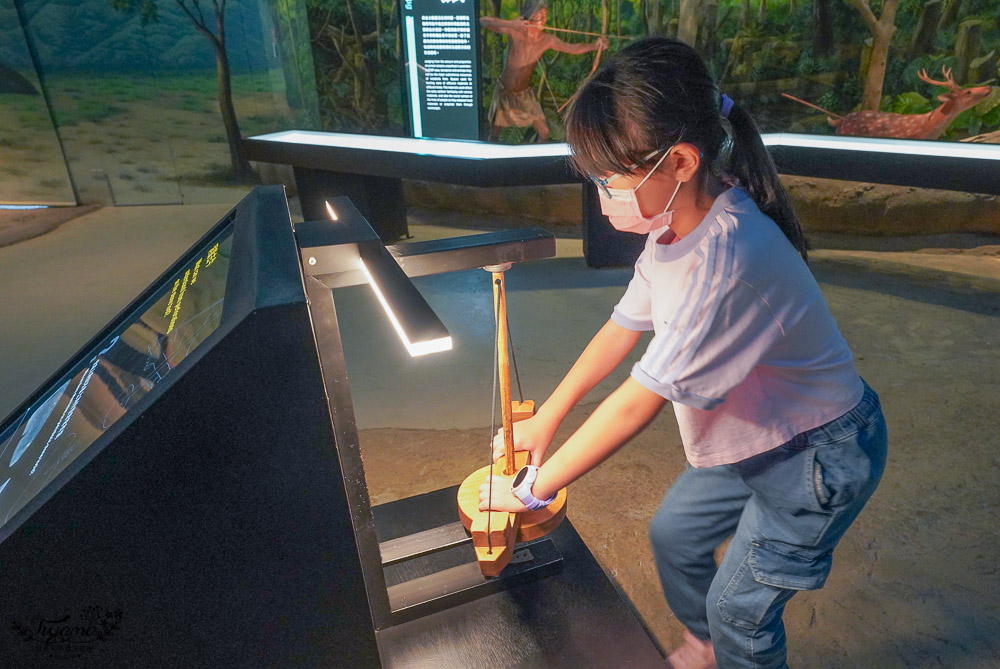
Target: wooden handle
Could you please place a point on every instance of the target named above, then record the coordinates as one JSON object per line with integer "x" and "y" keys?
{"x": 503, "y": 355}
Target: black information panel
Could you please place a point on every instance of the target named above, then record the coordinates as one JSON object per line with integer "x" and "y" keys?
{"x": 441, "y": 67}
{"x": 130, "y": 361}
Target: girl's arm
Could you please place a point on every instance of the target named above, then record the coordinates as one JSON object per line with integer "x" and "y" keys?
{"x": 603, "y": 354}
{"x": 617, "y": 419}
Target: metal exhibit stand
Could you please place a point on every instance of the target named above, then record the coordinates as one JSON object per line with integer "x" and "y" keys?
{"x": 329, "y": 164}
{"x": 223, "y": 519}
{"x": 329, "y": 252}
{"x": 418, "y": 565}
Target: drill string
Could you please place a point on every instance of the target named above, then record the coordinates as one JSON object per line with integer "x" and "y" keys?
{"x": 513, "y": 358}
{"x": 493, "y": 413}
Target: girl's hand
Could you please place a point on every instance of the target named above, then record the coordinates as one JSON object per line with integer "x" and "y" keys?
{"x": 502, "y": 499}
{"x": 532, "y": 434}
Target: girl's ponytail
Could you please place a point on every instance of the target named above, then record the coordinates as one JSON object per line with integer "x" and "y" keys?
{"x": 751, "y": 164}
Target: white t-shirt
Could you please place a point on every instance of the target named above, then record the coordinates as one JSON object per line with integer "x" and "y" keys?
{"x": 744, "y": 344}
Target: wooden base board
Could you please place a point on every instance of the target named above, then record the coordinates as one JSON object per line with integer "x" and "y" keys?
{"x": 530, "y": 525}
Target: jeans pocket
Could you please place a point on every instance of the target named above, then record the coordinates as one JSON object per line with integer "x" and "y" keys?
{"x": 765, "y": 580}
{"x": 745, "y": 601}
{"x": 782, "y": 569}
{"x": 818, "y": 486}
{"x": 845, "y": 473}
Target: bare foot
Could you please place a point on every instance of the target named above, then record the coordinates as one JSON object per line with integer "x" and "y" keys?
{"x": 692, "y": 654}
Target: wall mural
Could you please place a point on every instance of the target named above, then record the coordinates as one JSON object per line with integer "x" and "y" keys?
{"x": 149, "y": 98}
{"x": 895, "y": 68}
{"x": 144, "y": 101}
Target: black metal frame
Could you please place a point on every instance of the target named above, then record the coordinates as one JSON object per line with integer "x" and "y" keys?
{"x": 239, "y": 476}
{"x": 465, "y": 583}
{"x": 329, "y": 259}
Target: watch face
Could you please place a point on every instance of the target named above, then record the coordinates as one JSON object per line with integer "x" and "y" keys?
{"x": 519, "y": 479}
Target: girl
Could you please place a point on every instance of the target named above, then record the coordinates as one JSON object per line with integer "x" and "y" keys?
{"x": 785, "y": 442}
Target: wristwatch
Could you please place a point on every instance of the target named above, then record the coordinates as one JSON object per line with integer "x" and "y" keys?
{"x": 520, "y": 487}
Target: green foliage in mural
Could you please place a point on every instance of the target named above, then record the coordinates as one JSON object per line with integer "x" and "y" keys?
{"x": 823, "y": 51}
{"x": 356, "y": 56}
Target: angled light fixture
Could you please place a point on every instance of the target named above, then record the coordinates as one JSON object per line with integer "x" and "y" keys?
{"x": 346, "y": 243}
{"x": 416, "y": 324}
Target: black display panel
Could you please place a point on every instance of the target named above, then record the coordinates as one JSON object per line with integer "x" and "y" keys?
{"x": 441, "y": 67}
{"x": 127, "y": 364}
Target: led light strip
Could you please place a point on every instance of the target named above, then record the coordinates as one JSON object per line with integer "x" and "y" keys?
{"x": 907, "y": 147}
{"x": 446, "y": 148}
{"x": 413, "y": 348}
{"x": 485, "y": 150}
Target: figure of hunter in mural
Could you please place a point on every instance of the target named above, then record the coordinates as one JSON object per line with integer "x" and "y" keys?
{"x": 514, "y": 102}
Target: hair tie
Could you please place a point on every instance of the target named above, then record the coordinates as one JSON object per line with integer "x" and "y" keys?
{"x": 727, "y": 105}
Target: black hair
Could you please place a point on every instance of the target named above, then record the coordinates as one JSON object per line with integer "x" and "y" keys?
{"x": 533, "y": 6}
{"x": 657, "y": 92}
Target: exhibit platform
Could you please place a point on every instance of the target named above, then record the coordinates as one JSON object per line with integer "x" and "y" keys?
{"x": 920, "y": 314}
{"x": 196, "y": 465}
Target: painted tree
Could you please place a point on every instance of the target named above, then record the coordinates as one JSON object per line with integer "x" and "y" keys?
{"x": 882, "y": 29}
{"x": 822, "y": 28}
{"x": 950, "y": 15}
{"x": 12, "y": 81}
{"x": 688, "y": 20}
{"x": 214, "y": 30}
{"x": 355, "y": 67}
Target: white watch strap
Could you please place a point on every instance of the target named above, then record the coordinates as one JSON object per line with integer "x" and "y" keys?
{"x": 523, "y": 490}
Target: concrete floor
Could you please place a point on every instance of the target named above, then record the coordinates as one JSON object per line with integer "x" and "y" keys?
{"x": 915, "y": 581}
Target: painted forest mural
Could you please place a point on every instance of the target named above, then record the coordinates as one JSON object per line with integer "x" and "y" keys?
{"x": 136, "y": 101}
{"x": 815, "y": 66}
{"x": 143, "y": 101}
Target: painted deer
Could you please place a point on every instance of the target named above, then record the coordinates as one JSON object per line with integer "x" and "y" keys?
{"x": 931, "y": 125}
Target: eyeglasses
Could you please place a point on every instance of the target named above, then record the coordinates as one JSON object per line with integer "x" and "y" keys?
{"x": 603, "y": 183}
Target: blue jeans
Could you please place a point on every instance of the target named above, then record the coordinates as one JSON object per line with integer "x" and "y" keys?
{"x": 786, "y": 509}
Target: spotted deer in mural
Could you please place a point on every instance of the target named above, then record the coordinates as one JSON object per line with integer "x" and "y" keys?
{"x": 931, "y": 125}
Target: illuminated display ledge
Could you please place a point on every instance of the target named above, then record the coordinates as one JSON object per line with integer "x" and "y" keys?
{"x": 966, "y": 166}
{"x": 450, "y": 161}
{"x": 369, "y": 169}
{"x": 959, "y": 166}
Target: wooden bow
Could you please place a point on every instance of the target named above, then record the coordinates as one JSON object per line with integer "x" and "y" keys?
{"x": 593, "y": 68}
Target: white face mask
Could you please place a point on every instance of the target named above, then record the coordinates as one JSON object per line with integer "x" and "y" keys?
{"x": 621, "y": 206}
